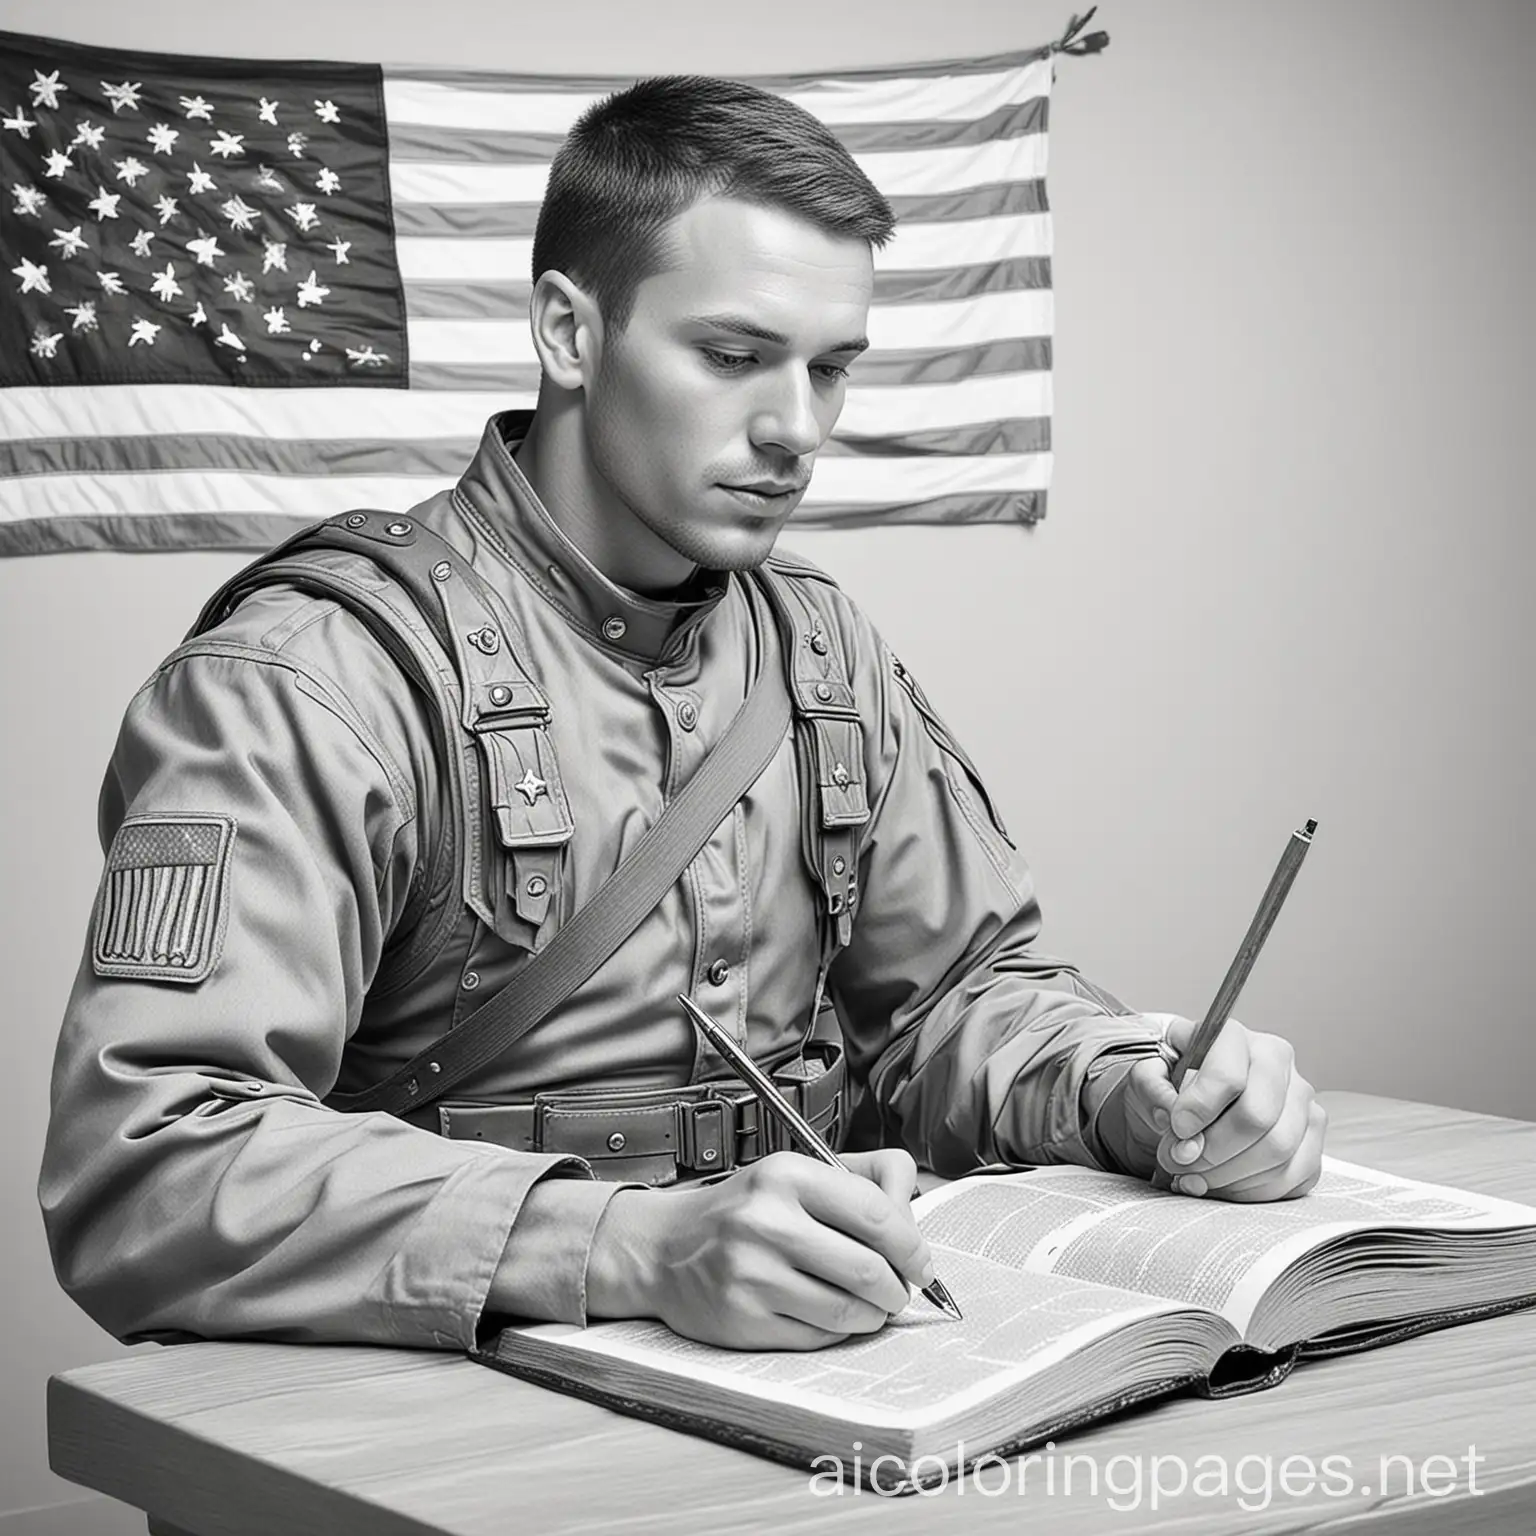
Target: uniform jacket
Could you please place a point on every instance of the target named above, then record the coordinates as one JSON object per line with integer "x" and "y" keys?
{"x": 194, "y": 1183}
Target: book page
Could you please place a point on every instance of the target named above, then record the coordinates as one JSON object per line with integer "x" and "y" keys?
{"x": 922, "y": 1367}
{"x": 1113, "y": 1230}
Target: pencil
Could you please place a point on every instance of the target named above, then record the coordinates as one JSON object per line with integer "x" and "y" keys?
{"x": 1204, "y": 1037}
{"x": 788, "y": 1116}
{"x": 1248, "y": 952}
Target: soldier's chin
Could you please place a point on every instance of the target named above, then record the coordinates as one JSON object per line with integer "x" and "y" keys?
{"x": 734, "y": 549}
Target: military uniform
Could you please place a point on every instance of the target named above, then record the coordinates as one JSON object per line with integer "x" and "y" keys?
{"x": 284, "y": 917}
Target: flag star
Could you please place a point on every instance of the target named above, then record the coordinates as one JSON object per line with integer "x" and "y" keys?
{"x": 58, "y": 163}
{"x": 227, "y": 338}
{"x": 277, "y": 322}
{"x": 89, "y": 134}
{"x": 296, "y": 143}
{"x": 303, "y": 214}
{"x": 311, "y": 292}
{"x": 111, "y": 283}
{"x": 165, "y": 287}
{"x": 268, "y": 179}
{"x": 240, "y": 288}
{"x": 130, "y": 170}
{"x": 45, "y": 90}
{"x": 358, "y": 357}
{"x": 162, "y": 138}
{"x": 267, "y": 111}
{"x": 21, "y": 124}
{"x": 28, "y": 199}
{"x": 199, "y": 315}
{"x": 205, "y": 250}
{"x": 198, "y": 180}
{"x": 168, "y": 208}
{"x": 141, "y": 242}
{"x": 227, "y": 144}
{"x": 145, "y": 331}
{"x": 85, "y": 315}
{"x": 34, "y": 279}
{"x": 195, "y": 106}
{"x": 124, "y": 95}
{"x": 274, "y": 254}
{"x": 326, "y": 111}
{"x": 104, "y": 204}
{"x": 339, "y": 248}
{"x": 328, "y": 181}
{"x": 69, "y": 242}
{"x": 45, "y": 342}
{"x": 239, "y": 213}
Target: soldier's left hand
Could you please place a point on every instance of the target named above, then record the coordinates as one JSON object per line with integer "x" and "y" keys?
{"x": 1246, "y": 1126}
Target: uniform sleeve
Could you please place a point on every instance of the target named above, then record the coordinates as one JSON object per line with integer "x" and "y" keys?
{"x": 976, "y": 1047}
{"x": 260, "y": 845}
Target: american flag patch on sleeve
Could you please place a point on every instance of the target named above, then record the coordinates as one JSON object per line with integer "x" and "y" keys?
{"x": 161, "y": 911}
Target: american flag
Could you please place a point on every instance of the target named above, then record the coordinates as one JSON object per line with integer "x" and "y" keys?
{"x": 239, "y": 296}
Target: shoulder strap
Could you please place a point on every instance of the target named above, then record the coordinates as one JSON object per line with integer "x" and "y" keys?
{"x": 602, "y": 925}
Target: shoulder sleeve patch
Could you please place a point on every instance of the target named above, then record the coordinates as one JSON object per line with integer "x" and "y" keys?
{"x": 163, "y": 902}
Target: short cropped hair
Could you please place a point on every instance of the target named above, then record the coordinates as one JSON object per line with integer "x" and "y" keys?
{"x": 640, "y": 157}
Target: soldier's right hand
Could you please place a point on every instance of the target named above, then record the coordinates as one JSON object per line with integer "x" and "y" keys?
{"x": 788, "y": 1253}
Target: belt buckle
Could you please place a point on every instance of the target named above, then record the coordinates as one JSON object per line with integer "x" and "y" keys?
{"x": 706, "y": 1135}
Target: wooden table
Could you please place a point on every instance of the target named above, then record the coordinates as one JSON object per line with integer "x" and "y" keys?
{"x": 250, "y": 1439}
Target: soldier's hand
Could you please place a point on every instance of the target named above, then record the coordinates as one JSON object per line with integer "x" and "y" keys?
{"x": 1246, "y": 1126}
{"x": 788, "y": 1253}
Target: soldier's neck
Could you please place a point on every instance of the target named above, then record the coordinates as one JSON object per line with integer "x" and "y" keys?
{"x": 588, "y": 511}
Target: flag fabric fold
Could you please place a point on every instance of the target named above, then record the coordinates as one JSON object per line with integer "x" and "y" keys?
{"x": 238, "y": 296}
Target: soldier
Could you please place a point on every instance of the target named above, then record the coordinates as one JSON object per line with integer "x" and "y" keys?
{"x": 396, "y": 760}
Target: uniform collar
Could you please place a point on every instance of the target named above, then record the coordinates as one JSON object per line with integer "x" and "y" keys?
{"x": 523, "y": 532}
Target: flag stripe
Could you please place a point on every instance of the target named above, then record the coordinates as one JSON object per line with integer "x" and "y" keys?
{"x": 958, "y": 90}
{"x": 190, "y": 911}
{"x": 441, "y": 458}
{"x": 513, "y": 220}
{"x": 916, "y": 248}
{"x": 867, "y": 85}
{"x": 909, "y": 173}
{"x": 492, "y": 300}
{"x": 999, "y": 507}
{"x": 839, "y": 480}
{"x": 897, "y": 367}
{"x": 169, "y": 409}
{"x": 893, "y": 328}
{"x": 491, "y": 139}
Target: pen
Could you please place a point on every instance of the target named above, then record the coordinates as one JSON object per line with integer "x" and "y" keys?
{"x": 788, "y": 1116}
{"x": 1193, "y": 1054}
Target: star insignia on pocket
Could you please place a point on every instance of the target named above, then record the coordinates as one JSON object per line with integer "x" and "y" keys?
{"x": 531, "y": 786}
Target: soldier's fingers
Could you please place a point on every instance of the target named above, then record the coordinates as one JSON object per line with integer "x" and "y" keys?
{"x": 1220, "y": 1080}
{"x": 1296, "y": 1176}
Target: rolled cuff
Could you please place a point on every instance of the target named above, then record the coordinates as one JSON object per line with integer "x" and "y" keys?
{"x": 541, "y": 1274}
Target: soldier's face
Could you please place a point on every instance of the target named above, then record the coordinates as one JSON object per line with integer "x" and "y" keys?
{"x": 708, "y": 410}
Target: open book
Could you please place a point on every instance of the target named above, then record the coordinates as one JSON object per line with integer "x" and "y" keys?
{"x": 1083, "y": 1292}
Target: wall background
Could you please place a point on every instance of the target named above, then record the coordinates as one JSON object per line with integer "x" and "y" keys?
{"x": 1285, "y": 573}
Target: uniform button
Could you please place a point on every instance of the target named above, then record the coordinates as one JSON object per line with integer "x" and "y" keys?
{"x": 616, "y": 1142}
{"x": 536, "y": 885}
{"x": 614, "y": 627}
{"x": 719, "y": 973}
{"x": 823, "y": 691}
{"x": 471, "y": 980}
{"x": 687, "y": 715}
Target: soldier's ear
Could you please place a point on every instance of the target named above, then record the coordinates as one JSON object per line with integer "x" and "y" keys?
{"x": 567, "y": 331}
